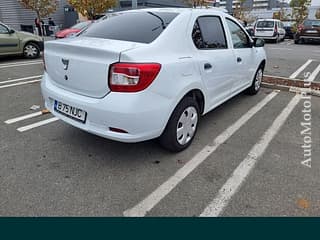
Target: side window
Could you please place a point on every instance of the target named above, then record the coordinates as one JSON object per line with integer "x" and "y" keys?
{"x": 208, "y": 33}
{"x": 239, "y": 37}
{"x": 3, "y": 29}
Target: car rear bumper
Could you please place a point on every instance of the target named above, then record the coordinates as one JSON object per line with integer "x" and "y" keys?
{"x": 267, "y": 38}
{"x": 142, "y": 115}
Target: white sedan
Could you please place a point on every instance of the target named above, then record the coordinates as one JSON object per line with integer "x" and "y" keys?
{"x": 150, "y": 73}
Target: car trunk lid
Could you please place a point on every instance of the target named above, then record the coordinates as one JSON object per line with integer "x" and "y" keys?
{"x": 81, "y": 65}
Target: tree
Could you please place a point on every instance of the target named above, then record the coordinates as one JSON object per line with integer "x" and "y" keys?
{"x": 92, "y": 8}
{"x": 197, "y": 3}
{"x": 43, "y": 8}
{"x": 299, "y": 10}
{"x": 239, "y": 10}
{"x": 317, "y": 15}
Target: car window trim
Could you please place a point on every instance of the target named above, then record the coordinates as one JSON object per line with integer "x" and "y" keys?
{"x": 223, "y": 30}
{"x": 5, "y": 28}
{"x": 245, "y": 32}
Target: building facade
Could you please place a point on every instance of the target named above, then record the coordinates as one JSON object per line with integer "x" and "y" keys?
{"x": 14, "y": 15}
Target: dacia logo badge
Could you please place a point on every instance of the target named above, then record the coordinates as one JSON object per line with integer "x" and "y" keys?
{"x": 65, "y": 63}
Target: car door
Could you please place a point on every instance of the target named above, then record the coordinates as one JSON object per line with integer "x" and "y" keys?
{"x": 213, "y": 57}
{"x": 9, "y": 42}
{"x": 282, "y": 31}
{"x": 244, "y": 55}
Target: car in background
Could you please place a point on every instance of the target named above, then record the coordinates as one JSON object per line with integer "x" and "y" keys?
{"x": 289, "y": 28}
{"x": 309, "y": 30}
{"x": 73, "y": 30}
{"x": 156, "y": 72}
{"x": 14, "y": 42}
{"x": 269, "y": 29}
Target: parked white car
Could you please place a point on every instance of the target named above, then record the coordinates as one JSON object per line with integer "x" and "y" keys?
{"x": 270, "y": 29}
{"x": 151, "y": 73}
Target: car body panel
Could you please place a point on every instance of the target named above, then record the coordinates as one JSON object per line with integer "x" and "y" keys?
{"x": 144, "y": 114}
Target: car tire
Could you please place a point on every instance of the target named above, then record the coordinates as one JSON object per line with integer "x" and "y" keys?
{"x": 182, "y": 126}
{"x": 256, "y": 83}
{"x": 31, "y": 50}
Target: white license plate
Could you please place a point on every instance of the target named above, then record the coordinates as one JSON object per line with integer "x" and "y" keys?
{"x": 69, "y": 111}
{"x": 311, "y": 31}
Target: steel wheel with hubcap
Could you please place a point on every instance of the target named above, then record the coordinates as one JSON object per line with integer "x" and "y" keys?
{"x": 31, "y": 50}
{"x": 187, "y": 124}
{"x": 256, "y": 83}
{"x": 182, "y": 126}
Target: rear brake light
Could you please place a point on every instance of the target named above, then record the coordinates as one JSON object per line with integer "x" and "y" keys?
{"x": 132, "y": 77}
{"x": 276, "y": 29}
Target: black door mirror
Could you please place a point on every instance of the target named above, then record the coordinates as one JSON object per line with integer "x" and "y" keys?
{"x": 11, "y": 31}
{"x": 258, "y": 42}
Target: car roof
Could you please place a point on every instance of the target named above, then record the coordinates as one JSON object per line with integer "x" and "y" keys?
{"x": 211, "y": 10}
{"x": 267, "y": 19}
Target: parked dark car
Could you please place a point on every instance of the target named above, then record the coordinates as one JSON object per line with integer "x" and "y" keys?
{"x": 309, "y": 30}
{"x": 288, "y": 27}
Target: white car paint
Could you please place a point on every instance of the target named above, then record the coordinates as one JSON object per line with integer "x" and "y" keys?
{"x": 145, "y": 114}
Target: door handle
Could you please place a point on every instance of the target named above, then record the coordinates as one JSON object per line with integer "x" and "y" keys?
{"x": 207, "y": 66}
{"x": 239, "y": 60}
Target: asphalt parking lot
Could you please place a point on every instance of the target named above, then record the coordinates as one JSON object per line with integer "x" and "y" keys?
{"x": 246, "y": 160}
{"x": 290, "y": 60}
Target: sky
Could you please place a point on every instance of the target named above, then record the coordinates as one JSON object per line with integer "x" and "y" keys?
{"x": 315, "y": 2}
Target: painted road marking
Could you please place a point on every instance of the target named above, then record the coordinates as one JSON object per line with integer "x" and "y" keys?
{"x": 239, "y": 175}
{"x": 18, "y": 119}
{"x": 314, "y": 74}
{"x": 20, "y": 79}
{"x": 142, "y": 208}
{"x": 300, "y": 69}
{"x": 37, "y": 124}
{"x": 20, "y": 83}
{"x": 8, "y": 65}
{"x": 288, "y": 49}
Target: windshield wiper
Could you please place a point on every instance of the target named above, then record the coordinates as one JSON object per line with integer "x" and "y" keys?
{"x": 160, "y": 18}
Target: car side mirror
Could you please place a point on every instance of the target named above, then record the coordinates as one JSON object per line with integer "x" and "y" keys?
{"x": 258, "y": 42}
{"x": 11, "y": 31}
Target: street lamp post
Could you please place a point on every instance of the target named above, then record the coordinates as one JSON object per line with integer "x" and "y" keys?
{"x": 134, "y": 4}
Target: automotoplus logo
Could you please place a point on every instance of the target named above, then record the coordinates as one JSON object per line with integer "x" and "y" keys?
{"x": 306, "y": 123}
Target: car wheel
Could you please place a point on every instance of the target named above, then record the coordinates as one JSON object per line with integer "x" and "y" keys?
{"x": 182, "y": 126}
{"x": 256, "y": 83}
{"x": 31, "y": 50}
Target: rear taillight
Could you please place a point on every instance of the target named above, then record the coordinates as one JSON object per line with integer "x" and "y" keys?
{"x": 276, "y": 29}
{"x": 132, "y": 77}
{"x": 300, "y": 28}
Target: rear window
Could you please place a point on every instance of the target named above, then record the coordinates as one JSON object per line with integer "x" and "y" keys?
{"x": 265, "y": 24}
{"x": 142, "y": 27}
{"x": 80, "y": 25}
{"x": 312, "y": 23}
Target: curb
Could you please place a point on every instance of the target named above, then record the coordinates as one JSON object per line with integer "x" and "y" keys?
{"x": 291, "y": 85}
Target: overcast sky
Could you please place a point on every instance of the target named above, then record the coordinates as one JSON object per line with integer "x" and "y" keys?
{"x": 315, "y": 2}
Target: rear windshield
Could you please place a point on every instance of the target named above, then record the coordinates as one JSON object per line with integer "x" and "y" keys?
{"x": 265, "y": 24}
{"x": 142, "y": 27}
{"x": 312, "y": 23}
{"x": 81, "y": 25}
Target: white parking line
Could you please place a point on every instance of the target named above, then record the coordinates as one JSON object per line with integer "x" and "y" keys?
{"x": 142, "y": 208}
{"x": 314, "y": 74}
{"x": 20, "y": 79}
{"x": 239, "y": 175}
{"x": 20, "y": 83}
{"x": 37, "y": 124}
{"x": 17, "y": 64}
{"x": 300, "y": 69}
{"x": 18, "y": 119}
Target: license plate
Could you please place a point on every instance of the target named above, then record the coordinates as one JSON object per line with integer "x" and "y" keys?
{"x": 69, "y": 111}
{"x": 311, "y": 31}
